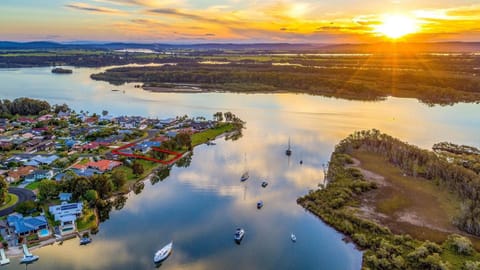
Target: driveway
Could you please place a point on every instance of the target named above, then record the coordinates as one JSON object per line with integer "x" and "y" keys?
{"x": 23, "y": 195}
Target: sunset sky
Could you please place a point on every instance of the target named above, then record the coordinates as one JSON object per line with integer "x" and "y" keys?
{"x": 183, "y": 21}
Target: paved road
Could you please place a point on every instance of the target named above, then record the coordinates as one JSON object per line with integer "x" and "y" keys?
{"x": 23, "y": 195}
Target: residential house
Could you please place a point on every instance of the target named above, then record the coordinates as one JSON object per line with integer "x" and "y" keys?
{"x": 63, "y": 115}
{"x": 67, "y": 214}
{"x": 26, "y": 225}
{"x": 104, "y": 165}
{"x": 39, "y": 175}
{"x": 65, "y": 197}
{"x": 46, "y": 117}
{"x": 146, "y": 146}
{"x": 26, "y": 120}
{"x": 18, "y": 174}
{"x": 45, "y": 159}
{"x": 171, "y": 133}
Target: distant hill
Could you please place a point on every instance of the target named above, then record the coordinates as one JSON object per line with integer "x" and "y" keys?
{"x": 286, "y": 47}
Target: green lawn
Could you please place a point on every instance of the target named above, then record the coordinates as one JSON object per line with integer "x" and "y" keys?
{"x": 33, "y": 185}
{"x": 10, "y": 200}
{"x": 87, "y": 221}
{"x": 204, "y": 136}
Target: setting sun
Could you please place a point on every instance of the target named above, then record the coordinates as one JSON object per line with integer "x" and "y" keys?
{"x": 396, "y": 26}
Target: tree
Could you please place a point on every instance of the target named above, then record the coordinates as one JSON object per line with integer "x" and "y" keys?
{"x": 3, "y": 190}
{"x": 218, "y": 116}
{"x": 80, "y": 185}
{"x": 103, "y": 185}
{"x": 183, "y": 139}
{"x": 27, "y": 207}
{"x": 47, "y": 189}
{"x": 119, "y": 178}
{"x": 91, "y": 196}
{"x": 137, "y": 168}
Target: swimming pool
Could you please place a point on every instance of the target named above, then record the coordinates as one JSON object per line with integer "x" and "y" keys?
{"x": 43, "y": 233}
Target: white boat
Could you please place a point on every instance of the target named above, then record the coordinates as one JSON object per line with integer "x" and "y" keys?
{"x": 163, "y": 253}
{"x": 293, "y": 237}
{"x": 239, "y": 233}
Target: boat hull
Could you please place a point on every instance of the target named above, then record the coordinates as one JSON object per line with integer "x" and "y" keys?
{"x": 29, "y": 259}
{"x": 163, "y": 254}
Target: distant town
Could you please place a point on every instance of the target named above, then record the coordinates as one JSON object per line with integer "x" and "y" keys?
{"x": 62, "y": 171}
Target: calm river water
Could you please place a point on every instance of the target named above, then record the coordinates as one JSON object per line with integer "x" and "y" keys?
{"x": 199, "y": 207}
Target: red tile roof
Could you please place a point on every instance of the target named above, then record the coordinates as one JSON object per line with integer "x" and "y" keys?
{"x": 104, "y": 164}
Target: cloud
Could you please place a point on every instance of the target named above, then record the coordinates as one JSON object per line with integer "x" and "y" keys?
{"x": 471, "y": 11}
{"x": 182, "y": 14}
{"x": 142, "y": 3}
{"x": 94, "y": 9}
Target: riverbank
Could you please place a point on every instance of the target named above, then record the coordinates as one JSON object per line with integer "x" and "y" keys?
{"x": 354, "y": 203}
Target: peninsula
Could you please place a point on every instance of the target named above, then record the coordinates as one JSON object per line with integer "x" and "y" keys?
{"x": 408, "y": 208}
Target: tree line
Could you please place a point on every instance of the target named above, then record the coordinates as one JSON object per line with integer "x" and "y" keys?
{"x": 418, "y": 162}
{"x": 349, "y": 83}
{"x": 23, "y": 106}
{"x": 383, "y": 249}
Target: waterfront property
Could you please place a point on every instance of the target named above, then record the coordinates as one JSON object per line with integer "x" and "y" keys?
{"x": 26, "y": 225}
{"x": 66, "y": 214}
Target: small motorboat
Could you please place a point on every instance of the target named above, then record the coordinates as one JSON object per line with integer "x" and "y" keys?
{"x": 244, "y": 177}
{"x": 239, "y": 233}
{"x": 85, "y": 240}
{"x": 259, "y": 204}
{"x": 301, "y": 162}
{"x": 29, "y": 258}
{"x": 163, "y": 253}
{"x": 264, "y": 184}
{"x": 293, "y": 237}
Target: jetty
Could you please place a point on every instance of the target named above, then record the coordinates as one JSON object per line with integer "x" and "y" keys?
{"x": 4, "y": 260}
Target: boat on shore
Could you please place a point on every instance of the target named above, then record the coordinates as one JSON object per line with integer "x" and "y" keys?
{"x": 264, "y": 184}
{"x": 239, "y": 233}
{"x": 162, "y": 254}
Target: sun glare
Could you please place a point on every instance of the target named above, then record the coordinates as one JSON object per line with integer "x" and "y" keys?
{"x": 397, "y": 26}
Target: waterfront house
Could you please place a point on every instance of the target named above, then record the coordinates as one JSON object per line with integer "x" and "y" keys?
{"x": 67, "y": 214}
{"x": 26, "y": 225}
{"x": 146, "y": 146}
{"x": 104, "y": 165}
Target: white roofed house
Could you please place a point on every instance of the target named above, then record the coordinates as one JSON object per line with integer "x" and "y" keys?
{"x": 66, "y": 214}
